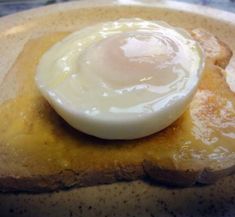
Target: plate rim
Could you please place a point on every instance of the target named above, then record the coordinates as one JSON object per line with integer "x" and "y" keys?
{"x": 205, "y": 11}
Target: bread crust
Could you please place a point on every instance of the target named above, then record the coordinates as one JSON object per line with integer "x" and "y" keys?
{"x": 216, "y": 50}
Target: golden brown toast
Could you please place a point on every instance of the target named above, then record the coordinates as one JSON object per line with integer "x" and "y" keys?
{"x": 39, "y": 151}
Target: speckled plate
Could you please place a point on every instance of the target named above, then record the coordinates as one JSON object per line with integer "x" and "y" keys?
{"x": 121, "y": 199}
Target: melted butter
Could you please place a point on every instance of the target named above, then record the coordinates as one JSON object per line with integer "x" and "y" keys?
{"x": 35, "y": 140}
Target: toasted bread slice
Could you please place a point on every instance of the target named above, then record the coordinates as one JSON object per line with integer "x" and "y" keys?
{"x": 40, "y": 152}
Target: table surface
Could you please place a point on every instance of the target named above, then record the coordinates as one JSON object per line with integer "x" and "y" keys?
{"x": 12, "y": 6}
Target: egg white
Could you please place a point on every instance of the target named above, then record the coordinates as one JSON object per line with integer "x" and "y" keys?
{"x": 111, "y": 80}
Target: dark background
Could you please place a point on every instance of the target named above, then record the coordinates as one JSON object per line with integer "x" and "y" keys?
{"x": 11, "y": 6}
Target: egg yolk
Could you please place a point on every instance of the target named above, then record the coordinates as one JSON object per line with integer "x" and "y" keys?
{"x": 132, "y": 58}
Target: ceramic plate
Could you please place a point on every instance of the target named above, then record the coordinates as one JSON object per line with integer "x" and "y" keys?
{"x": 121, "y": 199}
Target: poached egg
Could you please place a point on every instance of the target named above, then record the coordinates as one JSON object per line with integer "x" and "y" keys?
{"x": 124, "y": 79}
